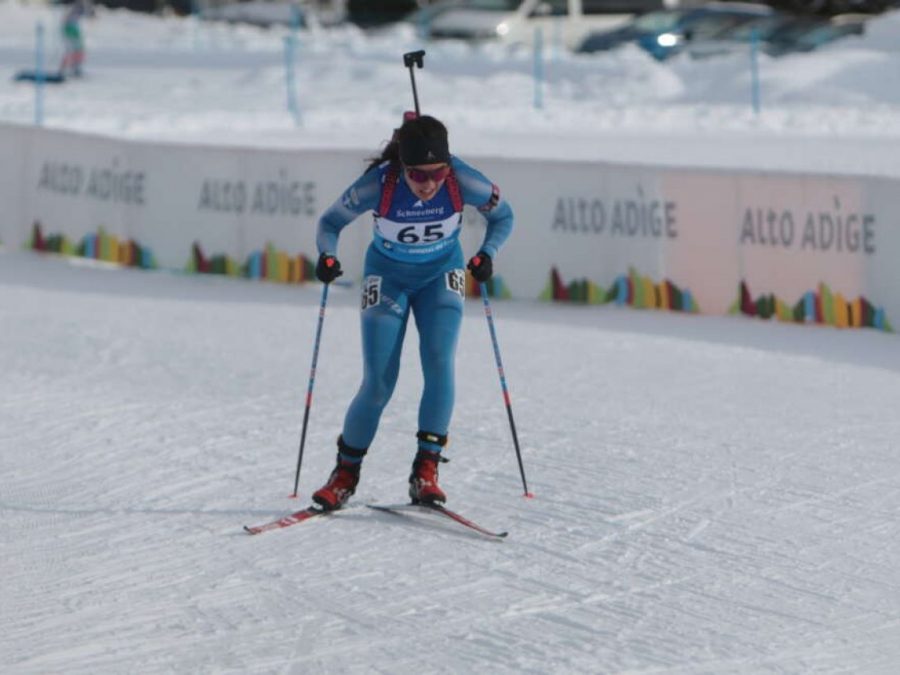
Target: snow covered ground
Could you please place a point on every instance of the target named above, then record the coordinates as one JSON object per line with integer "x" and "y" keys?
{"x": 713, "y": 494}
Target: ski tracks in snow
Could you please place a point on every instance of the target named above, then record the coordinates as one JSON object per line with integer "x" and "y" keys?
{"x": 678, "y": 526}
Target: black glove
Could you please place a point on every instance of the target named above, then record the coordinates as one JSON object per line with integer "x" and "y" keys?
{"x": 481, "y": 267}
{"x": 328, "y": 268}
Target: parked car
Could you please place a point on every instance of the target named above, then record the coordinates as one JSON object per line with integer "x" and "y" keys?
{"x": 259, "y": 13}
{"x": 422, "y": 17}
{"x": 740, "y": 36}
{"x": 267, "y": 13}
{"x": 515, "y": 21}
{"x": 717, "y": 29}
{"x": 652, "y": 23}
{"x": 666, "y": 33}
{"x": 814, "y": 33}
{"x": 703, "y": 23}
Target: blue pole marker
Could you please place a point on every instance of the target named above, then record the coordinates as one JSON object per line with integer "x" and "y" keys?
{"x": 289, "y": 80}
{"x": 754, "y": 70}
{"x": 196, "y": 15}
{"x": 296, "y": 18}
{"x": 557, "y": 39}
{"x": 39, "y": 75}
{"x": 538, "y": 68}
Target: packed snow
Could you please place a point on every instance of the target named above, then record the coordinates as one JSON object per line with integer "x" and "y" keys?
{"x": 712, "y": 494}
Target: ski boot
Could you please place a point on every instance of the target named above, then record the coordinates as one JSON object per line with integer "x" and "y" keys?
{"x": 343, "y": 479}
{"x": 423, "y": 480}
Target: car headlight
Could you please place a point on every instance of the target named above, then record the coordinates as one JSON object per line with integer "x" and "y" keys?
{"x": 502, "y": 29}
{"x": 667, "y": 40}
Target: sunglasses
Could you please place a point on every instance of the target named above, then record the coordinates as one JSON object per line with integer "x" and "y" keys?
{"x": 422, "y": 176}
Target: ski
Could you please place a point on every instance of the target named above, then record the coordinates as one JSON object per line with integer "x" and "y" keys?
{"x": 286, "y": 521}
{"x": 396, "y": 509}
{"x": 399, "y": 509}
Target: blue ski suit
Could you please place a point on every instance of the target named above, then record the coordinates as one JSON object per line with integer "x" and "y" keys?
{"x": 414, "y": 263}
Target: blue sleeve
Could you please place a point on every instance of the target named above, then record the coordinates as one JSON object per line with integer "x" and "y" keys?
{"x": 360, "y": 197}
{"x": 481, "y": 193}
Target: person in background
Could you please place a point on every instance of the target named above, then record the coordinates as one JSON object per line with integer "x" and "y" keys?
{"x": 416, "y": 190}
{"x": 73, "y": 40}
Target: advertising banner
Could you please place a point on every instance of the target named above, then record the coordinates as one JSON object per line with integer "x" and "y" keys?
{"x": 704, "y": 259}
{"x": 797, "y": 248}
{"x": 234, "y": 211}
{"x": 583, "y": 229}
{"x": 807, "y": 245}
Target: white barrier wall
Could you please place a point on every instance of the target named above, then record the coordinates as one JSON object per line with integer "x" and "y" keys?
{"x": 166, "y": 197}
{"x": 14, "y": 147}
{"x": 802, "y": 247}
{"x": 782, "y": 235}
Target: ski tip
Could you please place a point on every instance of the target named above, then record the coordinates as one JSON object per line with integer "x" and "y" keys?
{"x": 250, "y": 530}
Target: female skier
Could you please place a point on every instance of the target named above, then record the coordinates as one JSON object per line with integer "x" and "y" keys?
{"x": 416, "y": 190}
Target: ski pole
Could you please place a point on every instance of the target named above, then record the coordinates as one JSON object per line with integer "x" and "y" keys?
{"x": 411, "y": 59}
{"x": 312, "y": 381}
{"x": 506, "y": 400}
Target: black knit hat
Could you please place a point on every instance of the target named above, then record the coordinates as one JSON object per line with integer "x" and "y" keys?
{"x": 423, "y": 140}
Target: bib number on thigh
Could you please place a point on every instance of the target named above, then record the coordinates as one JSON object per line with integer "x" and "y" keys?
{"x": 456, "y": 282}
{"x": 371, "y": 292}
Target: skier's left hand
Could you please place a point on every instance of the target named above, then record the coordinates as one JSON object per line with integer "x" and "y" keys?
{"x": 481, "y": 266}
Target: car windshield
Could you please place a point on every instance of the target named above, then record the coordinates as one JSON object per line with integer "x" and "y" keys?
{"x": 712, "y": 24}
{"x": 762, "y": 27}
{"x": 798, "y": 28}
{"x": 657, "y": 22}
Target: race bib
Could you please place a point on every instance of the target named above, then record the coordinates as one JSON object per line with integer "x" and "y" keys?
{"x": 371, "y": 292}
{"x": 417, "y": 234}
{"x": 456, "y": 282}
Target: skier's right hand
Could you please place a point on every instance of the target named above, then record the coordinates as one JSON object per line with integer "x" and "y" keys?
{"x": 328, "y": 268}
{"x": 481, "y": 267}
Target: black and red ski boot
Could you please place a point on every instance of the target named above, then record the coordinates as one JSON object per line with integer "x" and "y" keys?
{"x": 343, "y": 480}
{"x": 423, "y": 480}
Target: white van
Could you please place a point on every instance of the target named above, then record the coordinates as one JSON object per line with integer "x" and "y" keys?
{"x": 514, "y": 21}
